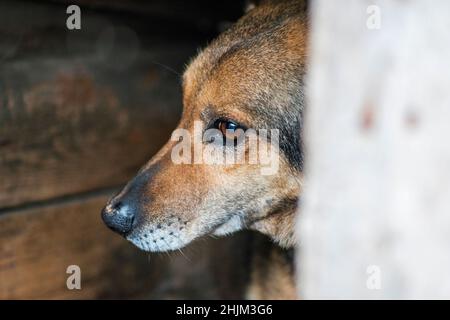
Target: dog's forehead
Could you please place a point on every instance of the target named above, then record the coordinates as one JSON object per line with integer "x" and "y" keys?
{"x": 258, "y": 73}
{"x": 265, "y": 21}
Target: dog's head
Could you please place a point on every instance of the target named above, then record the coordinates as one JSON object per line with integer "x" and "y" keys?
{"x": 221, "y": 171}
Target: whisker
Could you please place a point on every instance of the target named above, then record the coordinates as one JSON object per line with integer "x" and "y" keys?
{"x": 182, "y": 253}
{"x": 167, "y": 68}
{"x": 167, "y": 252}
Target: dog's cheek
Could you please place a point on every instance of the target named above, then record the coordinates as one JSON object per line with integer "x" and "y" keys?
{"x": 243, "y": 192}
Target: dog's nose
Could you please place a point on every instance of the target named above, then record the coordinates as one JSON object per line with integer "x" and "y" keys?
{"x": 118, "y": 217}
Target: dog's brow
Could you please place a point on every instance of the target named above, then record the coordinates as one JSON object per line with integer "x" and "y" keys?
{"x": 207, "y": 113}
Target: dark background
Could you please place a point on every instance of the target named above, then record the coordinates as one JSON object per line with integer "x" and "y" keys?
{"x": 80, "y": 112}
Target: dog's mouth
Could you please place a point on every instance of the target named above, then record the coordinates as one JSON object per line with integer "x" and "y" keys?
{"x": 235, "y": 222}
{"x": 176, "y": 233}
{"x": 159, "y": 241}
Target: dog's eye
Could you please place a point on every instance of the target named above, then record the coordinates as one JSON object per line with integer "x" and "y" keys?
{"x": 227, "y": 127}
{"x": 224, "y": 125}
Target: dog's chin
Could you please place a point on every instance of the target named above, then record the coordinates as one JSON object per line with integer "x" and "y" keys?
{"x": 152, "y": 239}
{"x": 158, "y": 243}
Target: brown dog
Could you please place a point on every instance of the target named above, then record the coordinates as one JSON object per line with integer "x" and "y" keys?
{"x": 251, "y": 76}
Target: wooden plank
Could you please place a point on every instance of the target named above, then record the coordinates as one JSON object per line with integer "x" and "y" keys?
{"x": 37, "y": 246}
{"x": 202, "y": 14}
{"x": 82, "y": 110}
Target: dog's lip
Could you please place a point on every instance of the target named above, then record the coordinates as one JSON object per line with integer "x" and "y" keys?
{"x": 217, "y": 226}
{"x": 223, "y": 222}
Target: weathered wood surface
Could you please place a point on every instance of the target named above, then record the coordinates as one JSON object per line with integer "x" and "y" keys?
{"x": 200, "y": 14}
{"x": 37, "y": 246}
{"x": 375, "y": 218}
{"x": 82, "y": 110}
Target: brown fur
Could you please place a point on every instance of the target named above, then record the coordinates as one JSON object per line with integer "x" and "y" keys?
{"x": 253, "y": 74}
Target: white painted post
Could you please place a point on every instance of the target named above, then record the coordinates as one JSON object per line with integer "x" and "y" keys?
{"x": 375, "y": 215}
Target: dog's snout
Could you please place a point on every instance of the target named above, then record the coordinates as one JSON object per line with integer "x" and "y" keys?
{"x": 118, "y": 217}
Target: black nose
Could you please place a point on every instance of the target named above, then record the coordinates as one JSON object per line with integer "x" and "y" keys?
{"x": 118, "y": 217}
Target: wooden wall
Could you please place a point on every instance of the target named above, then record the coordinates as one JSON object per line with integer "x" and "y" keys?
{"x": 80, "y": 111}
